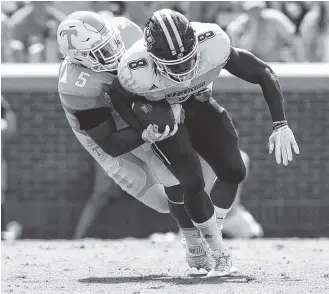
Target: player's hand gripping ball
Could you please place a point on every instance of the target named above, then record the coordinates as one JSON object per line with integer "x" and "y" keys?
{"x": 159, "y": 118}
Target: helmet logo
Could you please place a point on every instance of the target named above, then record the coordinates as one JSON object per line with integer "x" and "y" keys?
{"x": 148, "y": 38}
{"x": 180, "y": 55}
{"x": 69, "y": 34}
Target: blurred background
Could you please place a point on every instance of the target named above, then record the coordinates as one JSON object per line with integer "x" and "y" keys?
{"x": 48, "y": 178}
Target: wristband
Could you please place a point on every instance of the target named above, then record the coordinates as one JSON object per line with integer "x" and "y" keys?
{"x": 279, "y": 124}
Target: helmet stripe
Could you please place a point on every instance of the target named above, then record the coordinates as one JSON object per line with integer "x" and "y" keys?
{"x": 166, "y": 32}
{"x": 174, "y": 28}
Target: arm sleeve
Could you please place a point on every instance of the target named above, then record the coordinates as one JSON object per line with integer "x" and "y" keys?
{"x": 122, "y": 101}
{"x": 91, "y": 118}
{"x": 100, "y": 126}
{"x": 249, "y": 68}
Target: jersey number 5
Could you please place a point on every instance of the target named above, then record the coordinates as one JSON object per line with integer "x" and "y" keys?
{"x": 81, "y": 82}
{"x": 135, "y": 64}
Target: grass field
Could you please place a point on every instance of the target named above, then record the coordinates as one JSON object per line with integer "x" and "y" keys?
{"x": 144, "y": 266}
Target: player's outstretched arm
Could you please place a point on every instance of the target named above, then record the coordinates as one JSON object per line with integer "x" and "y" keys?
{"x": 248, "y": 67}
{"x": 100, "y": 126}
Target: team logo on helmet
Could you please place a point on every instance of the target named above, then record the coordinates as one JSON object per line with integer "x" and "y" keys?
{"x": 149, "y": 38}
{"x": 180, "y": 55}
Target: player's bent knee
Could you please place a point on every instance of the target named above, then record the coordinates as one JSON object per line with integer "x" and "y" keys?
{"x": 238, "y": 173}
{"x": 155, "y": 198}
{"x": 194, "y": 186}
{"x": 175, "y": 194}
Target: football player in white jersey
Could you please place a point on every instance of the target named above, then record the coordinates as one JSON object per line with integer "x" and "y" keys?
{"x": 93, "y": 48}
{"x": 178, "y": 61}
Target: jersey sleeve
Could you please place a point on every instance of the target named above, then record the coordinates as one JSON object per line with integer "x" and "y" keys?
{"x": 78, "y": 86}
{"x": 136, "y": 72}
{"x": 214, "y": 43}
{"x": 129, "y": 31}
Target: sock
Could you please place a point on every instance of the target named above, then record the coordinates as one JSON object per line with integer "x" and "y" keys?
{"x": 193, "y": 240}
{"x": 211, "y": 233}
{"x": 220, "y": 215}
{"x": 176, "y": 206}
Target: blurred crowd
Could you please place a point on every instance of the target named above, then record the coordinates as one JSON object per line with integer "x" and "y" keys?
{"x": 276, "y": 31}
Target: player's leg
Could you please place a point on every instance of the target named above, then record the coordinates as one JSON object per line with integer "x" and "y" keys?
{"x": 239, "y": 222}
{"x": 182, "y": 160}
{"x": 130, "y": 173}
{"x": 178, "y": 155}
{"x": 197, "y": 253}
{"x": 213, "y": 136}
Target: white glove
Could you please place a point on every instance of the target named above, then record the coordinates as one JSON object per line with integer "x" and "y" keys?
{"x": 151, "y": 134}
{"x": 282, "y": 139}
{"x": 204, "y": 95}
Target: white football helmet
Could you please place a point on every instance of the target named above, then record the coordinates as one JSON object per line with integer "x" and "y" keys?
{"x": 90, "y": 40}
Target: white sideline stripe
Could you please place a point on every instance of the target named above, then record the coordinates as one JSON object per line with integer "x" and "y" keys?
{"x": 166, "y": 32}
{"x": 173, "y": 26}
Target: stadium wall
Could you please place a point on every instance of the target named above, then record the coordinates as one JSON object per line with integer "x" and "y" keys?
{"x": 51, "y": 176}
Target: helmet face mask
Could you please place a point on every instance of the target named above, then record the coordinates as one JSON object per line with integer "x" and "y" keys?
{"x": 106, "y": 55}
{"x": 89, "y": 40}
{"x": 173, "y": 46}
{"x": 182, "y": 70}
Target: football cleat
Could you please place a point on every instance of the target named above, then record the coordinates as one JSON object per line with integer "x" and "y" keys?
{"x": 199, "y": 256}
{"x": 222, "y": 265}
{"x": 241, "y": 224}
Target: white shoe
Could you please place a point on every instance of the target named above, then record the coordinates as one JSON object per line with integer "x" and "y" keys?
{"x": 241, "y": 224}
{"x": 199, "y": 256}
{"x": 222, "y": 265}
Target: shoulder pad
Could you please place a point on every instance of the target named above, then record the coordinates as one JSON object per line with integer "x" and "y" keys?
{"x": 78, "y": 86}
{"x": 129, "y": 31}
{"x": 77, "y": 80}
{"x": 136, "y": 71}
{"x": 215, "y": 45}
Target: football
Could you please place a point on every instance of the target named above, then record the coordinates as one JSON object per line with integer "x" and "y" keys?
{"x": 154, "y": 112}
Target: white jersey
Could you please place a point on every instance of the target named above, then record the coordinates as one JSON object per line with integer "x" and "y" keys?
{"x": 137, "y": 73}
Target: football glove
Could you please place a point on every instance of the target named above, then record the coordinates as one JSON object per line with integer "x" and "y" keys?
{"x": 282, "y": 139}
{"x": 204, "y": 95}
{"x": 151, "y": 134}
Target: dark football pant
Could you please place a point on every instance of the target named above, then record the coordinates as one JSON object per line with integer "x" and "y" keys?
{"x": 214, "y": 137}
{"x": 181, "y": 159}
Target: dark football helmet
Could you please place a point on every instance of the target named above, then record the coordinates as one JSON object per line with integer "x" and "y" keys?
{"x": 172, "y": 44}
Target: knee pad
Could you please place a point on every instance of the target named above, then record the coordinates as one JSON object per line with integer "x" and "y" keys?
{"x": 239, "y": 172}
{"x": 194, "y": 186}
{"x": 235, "y": 173}
{"x": 155, "y": 198}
